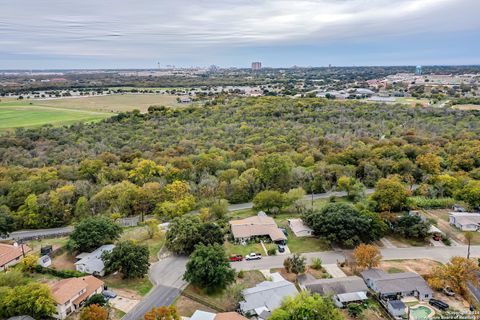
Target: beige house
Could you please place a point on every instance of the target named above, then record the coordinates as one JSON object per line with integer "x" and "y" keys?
{"x": 70, "y": 294}
{"x": 299, "y": 228}
{"x": 261, "y": 225}
{"x": 10, "y": 255}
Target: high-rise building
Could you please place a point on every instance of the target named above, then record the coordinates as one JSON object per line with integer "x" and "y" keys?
{"x": 418, "y": 70}
{"x": 256, "y": 65}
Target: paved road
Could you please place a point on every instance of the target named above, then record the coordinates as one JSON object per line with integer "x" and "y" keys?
{"x": 166, "y": 275}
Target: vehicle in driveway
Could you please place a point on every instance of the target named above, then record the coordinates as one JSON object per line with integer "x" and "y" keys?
{"x": 108, "y": 294}
{"x": 437, "y": 237}
{"x": 237, "y": 257}
{"x": 281, "y": 248}
{"x": 438, "y": 304}
{"x": 253, "y": 256}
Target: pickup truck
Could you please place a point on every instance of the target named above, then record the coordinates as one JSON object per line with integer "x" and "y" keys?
{"x": 253, "y": 256}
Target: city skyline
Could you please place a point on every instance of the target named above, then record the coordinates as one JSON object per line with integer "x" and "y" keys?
{"x": 116, "y": 34}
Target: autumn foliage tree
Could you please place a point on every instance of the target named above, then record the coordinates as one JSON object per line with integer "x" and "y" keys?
{"x": 455, "y": 274}
{"x": 94, "y": 312}
{"x": 162, "y": 313}
{"x": 367, "y": 256}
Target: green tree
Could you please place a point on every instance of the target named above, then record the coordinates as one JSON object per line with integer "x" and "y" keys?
{"x": 7, "y": 223}
{"x": 390, "y": 195}
{"x": 97, "y": 299}
{"x": 355, "y": 189}
{"x": 29, "y": 214}
{"x": 33, "y": 299}
{"x": 93, "y": 232}
{"x": 209, "y": 269}
{"x": 411, "y": 226}
{"x": 342, "y": 223}
{"x": 275, "y": 171}
{"x": 128, "y": 258}
{"x": 145, "y": 171}
{"x": 307, "y": 306}
{"x": 470, "y": 193}
{"x": 270, "y": 201}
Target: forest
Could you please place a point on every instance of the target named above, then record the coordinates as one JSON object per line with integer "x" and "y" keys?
{"x": 170, "y": 161}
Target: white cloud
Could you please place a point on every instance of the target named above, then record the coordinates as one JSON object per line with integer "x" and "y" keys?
{"x": 146, "y": 28}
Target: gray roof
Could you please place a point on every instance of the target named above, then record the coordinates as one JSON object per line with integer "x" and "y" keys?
{"x": 269, "y": 294}
{"x": 21, "y": 318}
{"x": 397, "y": 304}
{"x": 395, "y": 282}
{"x": 94, "y": 260}
{"x": 352, "y": 296}
{"x": 337, "y": 285}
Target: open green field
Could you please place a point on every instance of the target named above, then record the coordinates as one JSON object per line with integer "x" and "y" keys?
{"x": 22, "y": 114}
{"x": 111, "y": 103}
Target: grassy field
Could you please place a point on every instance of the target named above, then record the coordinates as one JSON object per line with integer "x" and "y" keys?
{"x": 111, "y": 103}
{"x": 466, "y": 107}
{"x": 22, "y": 114}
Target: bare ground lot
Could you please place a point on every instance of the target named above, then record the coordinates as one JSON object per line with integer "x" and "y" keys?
{"x": 111, "y": 103}
{"x": 466, "y": 107}
{"x": 441, "y": 216}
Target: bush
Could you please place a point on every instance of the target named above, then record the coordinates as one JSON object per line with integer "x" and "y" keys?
{"x": 446, "y": 241}
{"x": 316, "y": 263}
{"x": 272, "y": 251}
{"x": 241, "y": 274}
{"x": 355, "y": 310}
{"x": 64, "y": 274}
{"x": 430, "y": 203}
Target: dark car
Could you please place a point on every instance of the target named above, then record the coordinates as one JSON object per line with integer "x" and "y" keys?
{"x": 439, "y": 304}
{"x": 107, "y": 294}
{"x": 237, "y": 257}
{"x": 285, "y": 231}
{"x": 281, "y": 248}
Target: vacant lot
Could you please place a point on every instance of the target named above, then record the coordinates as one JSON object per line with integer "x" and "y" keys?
{"x": 22, "y": 114}
{"x": 111, "y": 103}
{"x": 420, "y": 266}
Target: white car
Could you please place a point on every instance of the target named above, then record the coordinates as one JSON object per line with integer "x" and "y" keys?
{"x": 253, "y": 256}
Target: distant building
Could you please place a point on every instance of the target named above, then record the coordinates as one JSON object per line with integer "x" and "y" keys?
{"x": 256, "y": 65}
{"x": 299, "y": 228}
{"x": 418, "y": 70}
{"x": 465, "y": 221}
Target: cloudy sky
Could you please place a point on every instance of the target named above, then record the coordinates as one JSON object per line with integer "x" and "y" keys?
{"x": 140, "y": 33}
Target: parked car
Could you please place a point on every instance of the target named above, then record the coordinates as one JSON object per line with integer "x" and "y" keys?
{"x": 285, "y": 231}
{"x": 107, "y": 294}
{"x": 437, "y": 237}
{"x": 281, "y": 248}
{"x": 438, "y": 304}
{"x": 253, "y": 256}
{"x": 237, "y": 257}
{"x": 448, "y": 291}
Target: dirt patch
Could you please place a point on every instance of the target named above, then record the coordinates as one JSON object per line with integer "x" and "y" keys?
{"x": 421, "y": 266}
{"x": 318, "y": 274}
{"x": 466, "y": 107}
{"x": 64, "y": 261}
{"x": 122, "y": 303}
{"x": 456, "y": 302}
{"x": 287, "y": 276}
{"x": 186, "y": 306}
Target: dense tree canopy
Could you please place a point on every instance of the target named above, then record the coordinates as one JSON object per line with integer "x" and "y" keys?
{"x": 209, "y": 269}
{"x": 170, "y": 161}
{"x": 342, "y": 223}
{"x": 33, "y": 299}
{"x": 93, "y": 232}
{"x": 128, "y": 258}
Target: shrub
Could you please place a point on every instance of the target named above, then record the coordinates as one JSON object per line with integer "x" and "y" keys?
{"x": 272, "y": 251}
{"x": 241, "y": 274}
{"x": 316, "y": 263}
{"x": 430, "y": 203}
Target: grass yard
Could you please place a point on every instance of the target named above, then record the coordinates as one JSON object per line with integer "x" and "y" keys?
{"x": 233, "y": 249}
{"x": 186, "y": 306}
{"x": 139, "y": 287}
{"x": 140, "y": 235}
{"x": 22, "y": 114}
{"x": 54, "y": 242}
{"x": 466, "y": 107}
{"x": 111, "y": 103}
{"x": 228, "y": 299}
{"x": 306, "y": 244}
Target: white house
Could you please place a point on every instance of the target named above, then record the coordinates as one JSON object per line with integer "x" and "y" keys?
{"x": 92, "y": 263}
{"x": 299, "y": 228}
{"x": 465, "y": 221}
{"x": 70, "y": 294}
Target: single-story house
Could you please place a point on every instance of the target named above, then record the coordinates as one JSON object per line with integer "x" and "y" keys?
{"x": 10, "y": 254}
{"x": 203, "y": 315}
{"x": 344, "y": 290}
{"x": 70, "y": 294}
{"x": 299, "y": 228}
{"x": 395, "y": 286}
{"x": 396, "y": 308}
{"x": 260, "y": 225}
{"x": 465, "y": 221}
{"x": 92, "y": 263}
{"x": 266, "y": 296}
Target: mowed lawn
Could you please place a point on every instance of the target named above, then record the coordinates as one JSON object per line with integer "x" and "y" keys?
{"x": 16, "y": 115}
{"x": 112, "y": 103}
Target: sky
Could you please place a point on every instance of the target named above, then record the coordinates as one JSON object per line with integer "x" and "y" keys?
{"x": 87, "y": 34}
